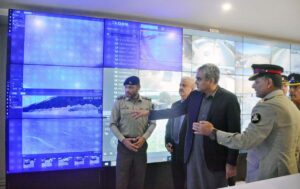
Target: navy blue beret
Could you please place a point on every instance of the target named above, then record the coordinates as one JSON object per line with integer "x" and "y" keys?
{"x": 294, "y": 79}
{"x": 132, "y": 80}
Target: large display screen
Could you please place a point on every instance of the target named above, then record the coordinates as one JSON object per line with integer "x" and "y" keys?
{"x": 162, "y": 93}
{"x": 64, "y": 73}
{"x": 54, "y": 92}
{"x": 135, "y": 45}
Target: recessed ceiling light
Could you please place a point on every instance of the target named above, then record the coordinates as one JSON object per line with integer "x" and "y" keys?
{"x": 226, "y": 7}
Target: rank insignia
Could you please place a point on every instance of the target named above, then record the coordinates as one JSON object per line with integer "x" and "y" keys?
{"x": 255, "y": 118}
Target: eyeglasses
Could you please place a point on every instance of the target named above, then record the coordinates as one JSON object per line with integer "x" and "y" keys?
{"x": 295, "y": 87}
{"x": 198, "y": 78}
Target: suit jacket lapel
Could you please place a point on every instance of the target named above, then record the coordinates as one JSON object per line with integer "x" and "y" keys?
{"x": 193, "y": 111}
{"x": 194, "y": 108}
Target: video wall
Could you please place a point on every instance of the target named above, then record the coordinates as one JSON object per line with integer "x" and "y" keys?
{"x": 54, "y": 91}
{"x": 65, "y": 72}
{"x": 234, "y": 55}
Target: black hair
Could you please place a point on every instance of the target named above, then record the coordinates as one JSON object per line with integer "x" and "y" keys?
{"x": 276, "y": 78}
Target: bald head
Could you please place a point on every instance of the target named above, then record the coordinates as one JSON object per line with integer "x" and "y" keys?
{"x": 187, "y": 85}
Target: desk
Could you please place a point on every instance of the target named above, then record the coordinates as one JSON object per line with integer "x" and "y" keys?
{"x": 284, "y": 182}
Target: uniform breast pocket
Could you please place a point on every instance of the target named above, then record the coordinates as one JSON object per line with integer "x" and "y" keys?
{"x": 143, "y": 108}
{"x": 143, "y": 119}
{"x": 124, "y": 110}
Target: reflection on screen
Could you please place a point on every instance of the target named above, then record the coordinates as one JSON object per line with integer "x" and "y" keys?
{"x": 113, "y": 85}
{"x": 219, "y": 52}
{"x": 61, "y": 106}
{"x": 228, "y": 82}
{"x": 54, "y": 85}
{"x": 159, "y": 49}
{"x": 134, "y": 45}
{"x": 65, "y": 72}
{"x": 246, "y": 119}
{"x": 187, "y": 54}
{"x": 162, "y": 94}
{"x": 239, "y": 84}
{"x": 281, "y": 57}
{"x": 255, "y": 54}
{"x": 247, "y": 86}
{"x": 61, "y": 77}
{"x": 54, "y": 40}
{"x": 156, "y": 143}
{"x": 248, "y": 103}
{"x": 44, "y": 136}
{"x": 156, "y": 80}
{"x": 295, "y": 61}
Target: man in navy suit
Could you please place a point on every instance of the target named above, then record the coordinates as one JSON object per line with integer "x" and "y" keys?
{"x": 209, "y": 164}
{"x": 175, "y": 135}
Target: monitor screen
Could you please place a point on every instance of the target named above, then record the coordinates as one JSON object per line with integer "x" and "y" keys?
{"x": 54, "y": 92}
{"x": 114, "y": 77}
{"x": 216, "y": 51}
{"x": 64, "y": 74}
{"x": 135, "y": 45}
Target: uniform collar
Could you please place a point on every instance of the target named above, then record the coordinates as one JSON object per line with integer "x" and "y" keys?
{"x": 138, "y": 98}
{"x": 272, "y": 94}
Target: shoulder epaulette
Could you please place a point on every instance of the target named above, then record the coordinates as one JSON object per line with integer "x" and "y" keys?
{"x": 121, "y": 97}
{"x": 266, "y": 99}
{"x": 146, "y": 98}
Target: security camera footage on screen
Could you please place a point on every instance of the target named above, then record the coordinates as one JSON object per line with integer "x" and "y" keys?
{"x": 64, "y": 73}
{"x": 60, "y": 92}
{"x": 55, "y": 92}
{"x": 162, "y": 93}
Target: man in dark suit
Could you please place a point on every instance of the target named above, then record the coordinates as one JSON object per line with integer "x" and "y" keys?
{"x": 175, "y": 135}
{"x": 272, "y": 135}
{"x": 209, "y": 164}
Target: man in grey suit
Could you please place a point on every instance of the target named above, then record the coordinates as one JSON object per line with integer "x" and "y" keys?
{"x": 272, "y": 134}
{"x": 175, "y": 135}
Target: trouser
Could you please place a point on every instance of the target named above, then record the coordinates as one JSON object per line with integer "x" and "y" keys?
{"x": 131, "y": 167}
{"x": 179, "y": 174}
{"x": 178, "y": 169}
{"x": 198, "y": 175}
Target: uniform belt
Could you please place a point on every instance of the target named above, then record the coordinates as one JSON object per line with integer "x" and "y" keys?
{"x": 129, "y": 136}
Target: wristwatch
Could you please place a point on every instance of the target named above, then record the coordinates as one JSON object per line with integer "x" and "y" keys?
{"x": 213, "y": 134}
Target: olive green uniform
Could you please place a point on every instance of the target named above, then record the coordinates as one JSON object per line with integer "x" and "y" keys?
{"x": 131, "y": 166}
{"x": 270, "y": 138}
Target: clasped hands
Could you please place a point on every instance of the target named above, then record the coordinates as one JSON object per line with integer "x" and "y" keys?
{"x": 134, "y": 144}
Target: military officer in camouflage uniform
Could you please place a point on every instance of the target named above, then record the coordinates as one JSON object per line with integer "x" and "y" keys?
{"x": 294, "y": 83}
{"x": 271, "y": 136}
{"x": 132, "y": 135}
